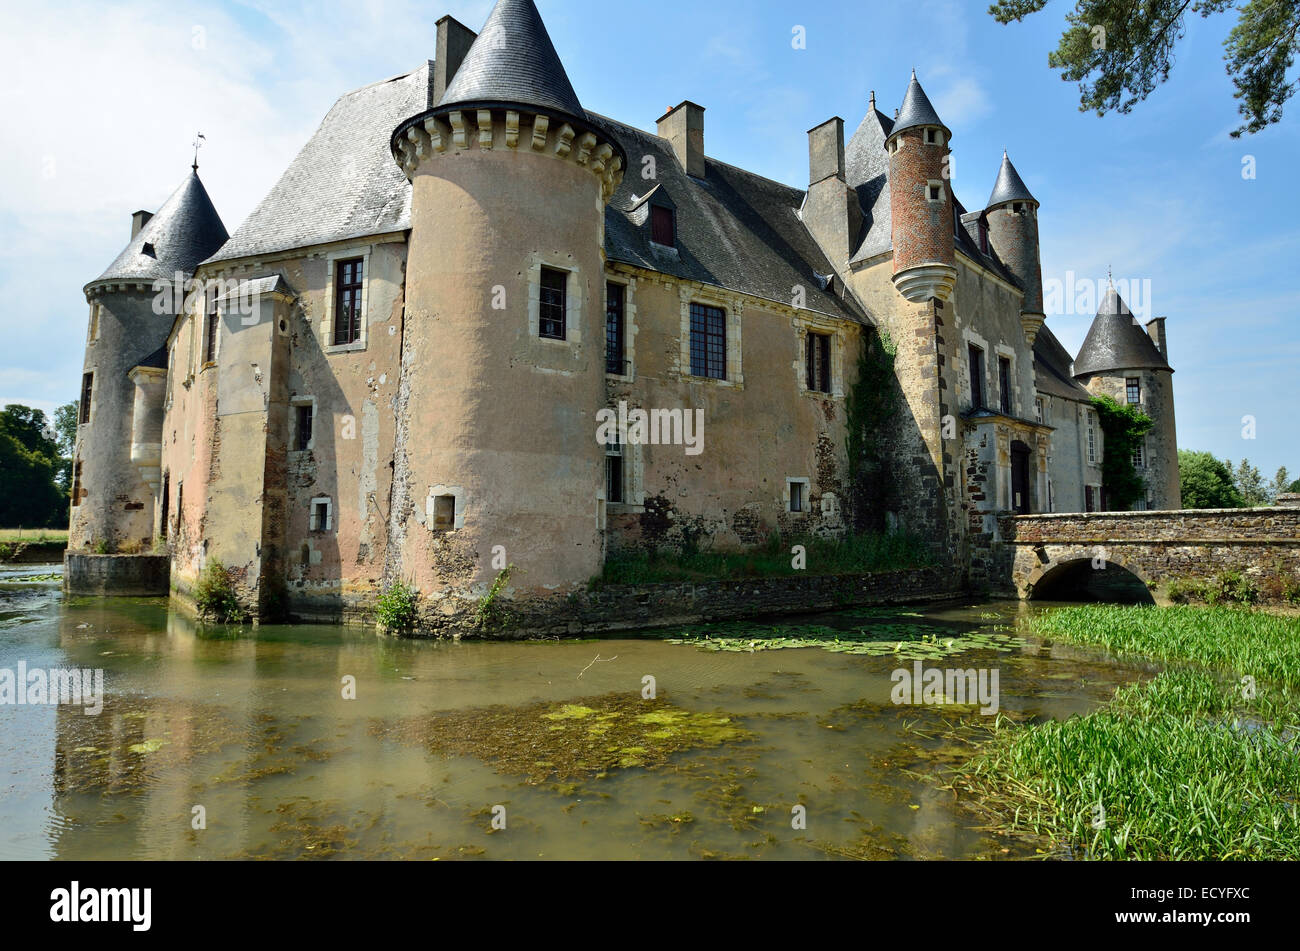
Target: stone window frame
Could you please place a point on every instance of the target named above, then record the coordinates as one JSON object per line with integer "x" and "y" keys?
{"x": 787, "y": 495}
{"x": 86, "y": 414}
{"x": 932, "y": 136}
{"x": 628, "y": 283}
{"x": 430, "y": 507}
{"x": 92, "y": 335}
{"x": 294, "y": 403}
{"x": 1141, "y": 461}
{"x": 1091, "y": 444}
{"x": 1040, "y": 410}
{"x": 806, "y": 322}
{"x": 332, "y": 260}
{"x": 733, "y": 307}
{"x": 971, "y": 338}
{"x": 932, "y": 184}
{"x": 572, "y": 304}
{"x": 329, "y": 515}
{"x": 1003, "y": 352}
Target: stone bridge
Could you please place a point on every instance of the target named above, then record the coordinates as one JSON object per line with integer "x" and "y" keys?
{"x": 1153, "y": 547}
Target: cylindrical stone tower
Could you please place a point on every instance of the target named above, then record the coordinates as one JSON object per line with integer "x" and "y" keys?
{"x": 921, "y": 202}
{"x": 1012, "y": 216}
{"x": 496, "y": 461}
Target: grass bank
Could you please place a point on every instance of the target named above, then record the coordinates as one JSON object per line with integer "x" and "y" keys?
{"x": 1202, "y": 762}
{"x": 821, "y": 556}
{"x": 33, "y": 535}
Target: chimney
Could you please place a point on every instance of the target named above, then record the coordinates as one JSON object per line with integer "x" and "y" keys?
{"x": 1156, "y": 331}
{"x": 139, "y": 220}
{"x": 683, "y": 127}
{"x": 454, "y": 41}
{"x": 830, "y": 210}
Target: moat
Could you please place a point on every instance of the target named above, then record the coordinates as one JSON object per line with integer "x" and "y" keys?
{"x": 251, "y": 724}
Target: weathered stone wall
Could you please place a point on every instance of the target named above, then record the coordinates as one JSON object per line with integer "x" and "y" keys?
{"x": 1068, "y": 466}
{"x": 1163, "y": 486}
{"x": 115, "y": 575}
{"x": 1158, "y": 547}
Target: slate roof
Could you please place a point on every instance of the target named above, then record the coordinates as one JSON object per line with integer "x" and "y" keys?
{"x": 867, "y": 172}
{"x": 1116, "y": 342}
{"x": 185, "y": 230}
{"x": 1052, "y": 373}
{"x": 344, "y": 183}
{"x": 513, "y": 61}
{"x": 1009, "y": 186}
{"x": 916, "y": 109}
{"x": 735, "y": 229}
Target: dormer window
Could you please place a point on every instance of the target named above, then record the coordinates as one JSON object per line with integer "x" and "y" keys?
{"x": 932, "y": 137}
{"x": 663, "y": 226}
{"x": 1017, "y": 208}
{"x": 149, "y": 249}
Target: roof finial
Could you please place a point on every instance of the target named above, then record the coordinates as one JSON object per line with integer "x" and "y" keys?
{"x": 1109, "y": 283}
{"x": 873, "y": 99}
{"x": 914, "y": 72}
{"x": 199, "y": 139}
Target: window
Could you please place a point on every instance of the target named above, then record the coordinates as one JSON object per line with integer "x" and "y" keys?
{"x": 1038, "y": 409}
{"x": 819, "y": 362}
{"x": 1089, "y": 500}
{"x": 76, "y": 483}
{"x": 798, "y": 489}
{"x": 984, "y": 236}
{"x": 347, "y": 301}
{"x": 936, "y": 192}
{"x": 931, "y": 136}
{"x": 1004, "y": 385}
{"x": 94, "y": 322}
{"x": 708, "y": 341}
{"x": 320, "y": 515}
{"x": 1017, "y": 208}
{"x": 210, "y": 324}
{"x": 975, "y": 363}
{"x": 663, "y": 228}
{"x": 554, "y": 299}
{"x": 1133, "y": 389}
{"x": 87, "y": 388}
{"x": 614, "y": 472}
{"x": 444, "y": 513}
{"x": 1140, "y": 454}
{"x": 1092, "y": 438}
{"x": 614, "y": 332}
{"x": 302, "y": 431}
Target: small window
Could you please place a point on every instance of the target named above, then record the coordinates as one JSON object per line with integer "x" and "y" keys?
{"x": 931, "y": 136}
{"x": 87, "y": 388}
{"x": 1089, "y": 499}
{"x": 614, "y": 329}
{"x": 708, "y": 341}
{"x": 94, "y": 322}
{"x": 818, "y": 355}
{"x": 76, "y": 483}
{"x": 614, "y": 473}
{"x": 936, "y": 192}
{"x": 550, "y": 314}
{"x": 347, "y": 301}
{"x": 975, "y": 363}
{"x": 1017, "y": 208}
{"x": 796, "y": 496}
{"x": 1140, "y": 455}
{"x": 444, "y": 513}
{"x": 210, "y": 325}
{"x": 663, "y": 229}
{"x": 1004, "y": 385}
{"x": 1038, "y": 409}
{"x": 984, "y": 236}
{"x": 320, "y": 515}
{"x": 1092, "y": 438}
{"x": 1133, "y": 389}
{"x": 302, "y": 431}
{"x": 148, "y": 249}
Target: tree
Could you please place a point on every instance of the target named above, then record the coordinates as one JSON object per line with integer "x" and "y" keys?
{"x": 1207, "y": 483}
{"x": 65, "y": 437}
{"x": 1118, "y": 51}
{"x": 1294, "y": 486}
{"x": 1279, "y": 484}
{"x": 30, "y": 427}
{"x": 1250, "y": 484}
{"x": 29, "y": 462}
{"x": 1123, "y": 427}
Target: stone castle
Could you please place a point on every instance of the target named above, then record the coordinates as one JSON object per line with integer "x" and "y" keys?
{"x": 396, "y": 368}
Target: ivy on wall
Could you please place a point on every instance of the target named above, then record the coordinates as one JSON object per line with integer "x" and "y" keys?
{"x": 870, "y": 404}
{"x": 1123, "y": 427}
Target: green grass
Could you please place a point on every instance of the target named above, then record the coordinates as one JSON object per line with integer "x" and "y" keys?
{"x": 34, "y": 535}
{"x": 850, "y": 555}
{"x": 1188, "y": 766}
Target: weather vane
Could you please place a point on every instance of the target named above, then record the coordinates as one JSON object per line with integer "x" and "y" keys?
{"x": 199, "y": 139}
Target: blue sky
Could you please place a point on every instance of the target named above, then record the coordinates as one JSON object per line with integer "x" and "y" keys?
{"x": 102, "y": 100}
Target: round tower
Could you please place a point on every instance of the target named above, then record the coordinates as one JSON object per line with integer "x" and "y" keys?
{"x": 1012, "y": 218}
{"x": 116, "y": 477}
{"x": 497, "y": 461}
{"x": 921, "y": 208}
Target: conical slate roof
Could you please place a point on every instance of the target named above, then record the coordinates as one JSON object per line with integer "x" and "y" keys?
{"x": 185, "y": 230}
{"x": 1116, "y": 342}
{"x": 513, "y": 61}
{"x": 916, "y": 109}
{"x": 1009, "y": 186}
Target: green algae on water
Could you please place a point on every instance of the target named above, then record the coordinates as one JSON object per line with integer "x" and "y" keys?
{"x": 904, "y": 640}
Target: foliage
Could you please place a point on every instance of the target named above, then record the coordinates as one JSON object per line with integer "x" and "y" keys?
{"x": 1250, "y": 484}
{"x": 851, "y": 554}
{"x": 28, "y": 493}
{"x": 214, "y": 595}
{"x": 1207, "y": 483}
{"x": 1231, "y": 586}
{"x": 1119, "y": 51}
{"x": 397, "y": 609}
{"x": 1279, "y": 484}
{"x": 1123, "y": 427}
{"x": 65, "y": 437}
{"x": 490, "y": 613}
{"x": 1294, "y": 486}
{"x": 870, "y": 404}
{"x": 904, "y": 640}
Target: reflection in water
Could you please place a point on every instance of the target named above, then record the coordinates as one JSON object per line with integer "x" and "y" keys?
{"x": 250, "y": 730}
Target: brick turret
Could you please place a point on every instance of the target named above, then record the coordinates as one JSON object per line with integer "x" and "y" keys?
{"x": 1012, "y": 216}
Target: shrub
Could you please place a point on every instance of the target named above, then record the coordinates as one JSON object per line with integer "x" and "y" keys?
{"x": 490, "y": 613}
{"x": 214, "y": 595}
{"x": 103, "y": 547}
{"x": 396, "y": 611}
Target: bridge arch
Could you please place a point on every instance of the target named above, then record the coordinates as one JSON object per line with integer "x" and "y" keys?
{"x": 1071, "y": 575}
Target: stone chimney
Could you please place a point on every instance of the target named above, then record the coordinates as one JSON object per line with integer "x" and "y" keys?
{"x": 683, "y": 127}
{"x": 830, "y": 210}
{"x": 1156, "y": 331}
{"x": 139, "y": 220}
{"x": 454, "y": 41}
